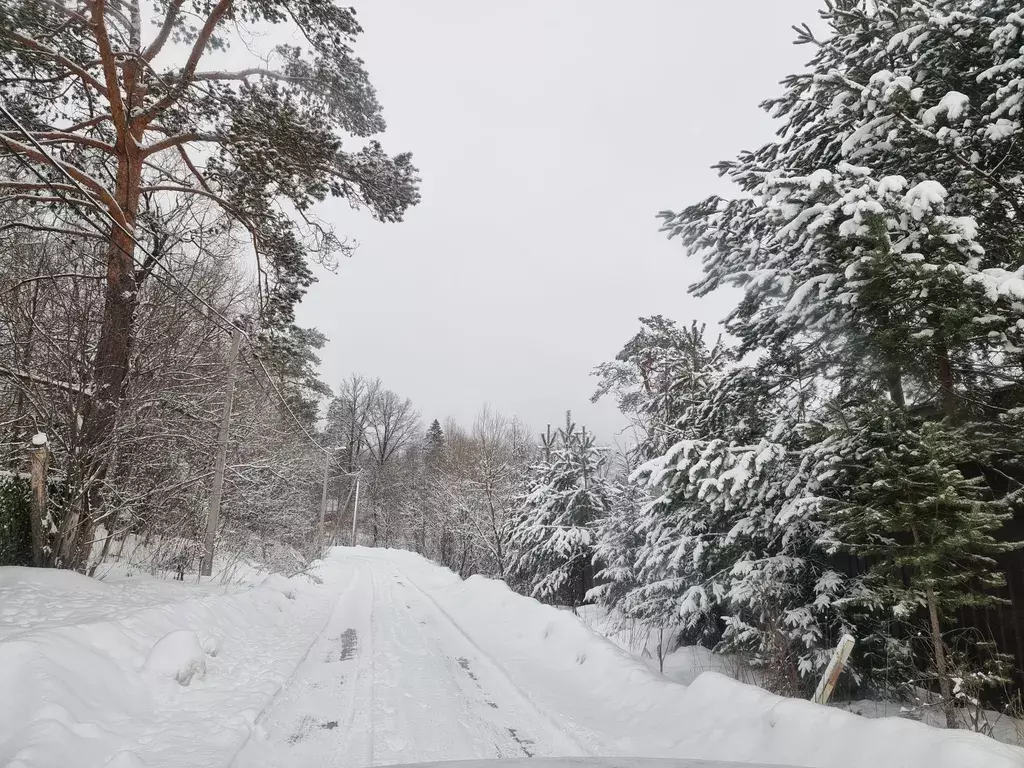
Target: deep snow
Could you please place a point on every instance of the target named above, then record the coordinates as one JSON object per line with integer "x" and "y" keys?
{"x": 379, "y": 657}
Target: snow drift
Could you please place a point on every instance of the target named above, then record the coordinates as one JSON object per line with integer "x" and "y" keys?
{"x": 94, "y": 673}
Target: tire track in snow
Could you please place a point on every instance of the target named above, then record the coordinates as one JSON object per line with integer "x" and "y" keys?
{"x": 496, "y": 669}
{"x": 425, "y": 707}
{"x": 255, "y": 752}
{"x": 392, "y": 679}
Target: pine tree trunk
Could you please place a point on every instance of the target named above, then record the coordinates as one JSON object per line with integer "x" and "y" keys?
{"x": 111, "y": 363}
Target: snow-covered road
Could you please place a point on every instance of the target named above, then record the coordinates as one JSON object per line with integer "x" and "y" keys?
{"x": 394, "y": 679}
{"x": 379, "y": 657}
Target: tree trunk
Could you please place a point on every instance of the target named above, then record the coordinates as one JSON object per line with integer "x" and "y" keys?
{"x": 661, "y": 650}
{"x": 112, "y": 359}
{"x": 894, "y": 383}
{"x": 941, "y": 663}
{"x": 342, "y": 508}
{"x": 103, "y": 554}
{"x": 947, "y": 386}
{"x": 26, "y": 359}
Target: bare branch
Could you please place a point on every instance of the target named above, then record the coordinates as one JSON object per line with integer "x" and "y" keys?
{"x": 165, "y": 31}
{"x": 198, "y": 48}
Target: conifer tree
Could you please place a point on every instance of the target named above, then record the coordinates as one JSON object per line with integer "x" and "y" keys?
{"x": 877, "y": 245}
{"x": 551, "y": 539}
{"x": 619, "y": 539}
{"x": 435, "y": 444}
{"x": 896, "y": 493}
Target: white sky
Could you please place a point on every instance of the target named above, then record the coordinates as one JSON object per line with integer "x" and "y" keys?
{"x": 548, "y": 134}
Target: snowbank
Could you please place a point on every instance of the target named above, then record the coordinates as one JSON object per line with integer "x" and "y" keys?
{"x": 178, "y": 655}
{"x": 91, "y": 671}
{"x": 572, "y": 673}
{"x": 684, "y": 664}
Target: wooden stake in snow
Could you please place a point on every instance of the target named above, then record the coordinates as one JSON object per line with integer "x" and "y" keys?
{"x": 834, "y": 668}
{"x": 39, "y": 462}
{"x": 222, "y": 452}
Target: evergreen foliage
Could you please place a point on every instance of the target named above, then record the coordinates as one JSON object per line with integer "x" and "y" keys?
{"x": 15, "y": 525}
{"x": 551, "y": 538}
{"x": 877, "y": 245}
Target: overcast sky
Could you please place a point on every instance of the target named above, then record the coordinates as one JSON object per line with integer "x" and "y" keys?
{"x": 548, "y": 134}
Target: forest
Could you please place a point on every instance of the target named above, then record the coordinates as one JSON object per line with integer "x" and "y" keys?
{"x": 843, "y": 455}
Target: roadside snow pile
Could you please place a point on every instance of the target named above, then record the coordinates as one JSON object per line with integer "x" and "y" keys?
{"x": 111, "y": 674}
{"x": 608, "y": 700}
{"x": 681, "y": 665}
{"x": 178, "y": 655}
{"x": 685, "y": 663}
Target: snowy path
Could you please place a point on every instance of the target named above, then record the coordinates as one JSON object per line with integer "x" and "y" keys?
{"x": 394, "y": 680}
{"x": 379, "y": 657}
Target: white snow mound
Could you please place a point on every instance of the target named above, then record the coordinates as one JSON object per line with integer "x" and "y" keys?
{"x": 178, "y": 655}
{"x": 74, "y": 651}
{"x": 210, "y": 643}
{"x": 282, "y": 584}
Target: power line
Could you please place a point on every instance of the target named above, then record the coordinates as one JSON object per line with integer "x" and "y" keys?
{"x": 156, "y": 261}
{"x": 60, "y": 193}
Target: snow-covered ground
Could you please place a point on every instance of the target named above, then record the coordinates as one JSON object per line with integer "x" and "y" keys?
{"x": 376, "y": 658}
{"x": 685, "y": 664}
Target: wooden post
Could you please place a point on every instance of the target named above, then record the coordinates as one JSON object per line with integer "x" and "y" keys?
{"x": 39, "y": 463}
{"x": 323, "y": 497}
{"x": 206, "y": 568}
{"x": 828, "y": 681}
{"x": 355, "y": 514}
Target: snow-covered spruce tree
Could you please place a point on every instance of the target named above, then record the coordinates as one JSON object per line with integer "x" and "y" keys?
{"x": 896, "y": 493}
{"x": 656, "y": 376}
{"x": 881, "y": 232}
{"x": 659, "y": 375}
{"x": 724, "y": 558}
{"x": 712, "y": 560}
{"x": 551, "y": 538}
{"x": 618, "y": 539}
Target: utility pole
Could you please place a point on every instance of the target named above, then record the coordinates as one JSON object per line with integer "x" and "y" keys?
{"x": 355, "y": 513}
{"x": 323, "y": 497}
{"x": 222, "y": 453}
